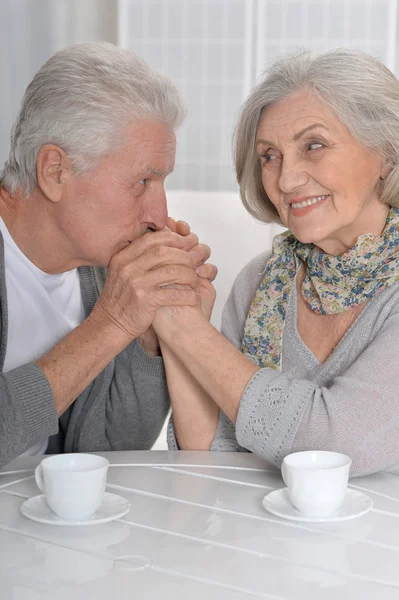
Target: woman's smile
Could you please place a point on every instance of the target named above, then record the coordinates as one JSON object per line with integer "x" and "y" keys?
{"x": 301, "y": 207}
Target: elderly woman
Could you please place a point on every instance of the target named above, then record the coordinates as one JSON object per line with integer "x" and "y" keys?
{"x": 308, "y": 358}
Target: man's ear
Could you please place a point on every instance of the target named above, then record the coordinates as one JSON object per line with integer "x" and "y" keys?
{"x": 53, "y": 171}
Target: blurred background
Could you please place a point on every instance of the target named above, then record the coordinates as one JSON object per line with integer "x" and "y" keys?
{"x": 214, "y": 50}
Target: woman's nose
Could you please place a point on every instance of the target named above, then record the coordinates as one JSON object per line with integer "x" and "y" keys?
{"x": 292, "y": 176}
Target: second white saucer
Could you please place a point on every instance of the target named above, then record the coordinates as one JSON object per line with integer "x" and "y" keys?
{"x": 355, "y": 505}
{"x": 113, "y": 507}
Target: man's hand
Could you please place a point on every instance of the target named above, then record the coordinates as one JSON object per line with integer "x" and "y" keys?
{"x": 143, "y": 277}
{"x": 206, "y": 272}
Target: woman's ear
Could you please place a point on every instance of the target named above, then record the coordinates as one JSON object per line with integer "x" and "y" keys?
{"x": 386, "y": 168}
{"x": 53, "y": 171}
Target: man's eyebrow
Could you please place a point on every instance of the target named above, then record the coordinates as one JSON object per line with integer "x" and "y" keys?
{"x": 155, "y": 171}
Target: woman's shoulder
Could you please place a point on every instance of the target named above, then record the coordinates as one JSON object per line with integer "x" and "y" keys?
{"x": 383, "y": 308}
{"x": 249, "y": 278}
{"x": 251, "y": 275}
{"x": 240, "y": 298}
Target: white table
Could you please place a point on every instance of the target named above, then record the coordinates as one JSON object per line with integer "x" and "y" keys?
{"x": 197, "y": 530}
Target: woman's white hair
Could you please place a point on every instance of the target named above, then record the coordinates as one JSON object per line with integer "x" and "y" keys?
{"x": 362, "y": 92}
{"x": 82, "y": 99}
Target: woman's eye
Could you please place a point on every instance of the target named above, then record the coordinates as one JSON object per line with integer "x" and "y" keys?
{"x": 268, "y": 156}
{"x": 314, "y": 146}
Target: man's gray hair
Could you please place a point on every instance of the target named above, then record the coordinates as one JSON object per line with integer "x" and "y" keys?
{"x": 363, "y": 93}
{"x": 82, "y": 99}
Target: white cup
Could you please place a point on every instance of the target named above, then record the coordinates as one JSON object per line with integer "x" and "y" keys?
{"x": 316, "y": 480}
{"x": 73, "y": 484}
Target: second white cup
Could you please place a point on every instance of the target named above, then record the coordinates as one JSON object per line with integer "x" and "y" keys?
{"x": 73, "y": 484}
{"x": 316, "y": 480}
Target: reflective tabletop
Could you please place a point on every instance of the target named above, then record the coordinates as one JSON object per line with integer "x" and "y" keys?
{"x": 197, "y": 529}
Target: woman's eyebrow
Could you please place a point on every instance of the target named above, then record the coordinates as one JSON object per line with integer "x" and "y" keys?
{"x": 296, "y": 137}
{"x": 306, "y": 129}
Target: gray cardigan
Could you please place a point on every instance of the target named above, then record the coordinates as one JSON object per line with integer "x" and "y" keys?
{"x": 349, "y": 403}
{"x": 124, "y": 408}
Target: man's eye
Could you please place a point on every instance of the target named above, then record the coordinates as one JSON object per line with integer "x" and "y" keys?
{"x": 143, "y": 181}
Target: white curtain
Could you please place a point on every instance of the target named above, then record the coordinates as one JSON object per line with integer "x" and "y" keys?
{"x": 31, "y": 31}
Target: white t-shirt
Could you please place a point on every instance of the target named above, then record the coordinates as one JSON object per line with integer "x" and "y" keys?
{"x": 42, "y": 309}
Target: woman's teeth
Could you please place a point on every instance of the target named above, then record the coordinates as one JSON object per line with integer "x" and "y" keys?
{"x": 308, "y": 202}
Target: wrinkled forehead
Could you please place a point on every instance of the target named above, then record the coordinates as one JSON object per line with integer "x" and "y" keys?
{"x": 291, "y": 115}
{"x": 149, "y": 146}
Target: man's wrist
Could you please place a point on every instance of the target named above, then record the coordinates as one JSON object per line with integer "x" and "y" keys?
{"x": 113, "y": 334}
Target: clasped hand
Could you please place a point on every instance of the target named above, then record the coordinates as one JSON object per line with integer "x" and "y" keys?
{"x": 160, "y": 269}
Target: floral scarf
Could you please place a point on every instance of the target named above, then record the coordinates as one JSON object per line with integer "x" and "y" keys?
{"x": 331, "y": 285}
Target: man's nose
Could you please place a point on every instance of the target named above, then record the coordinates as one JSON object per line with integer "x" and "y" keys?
{"x": 155, "y": 210}
{"x": 293, "y": 175}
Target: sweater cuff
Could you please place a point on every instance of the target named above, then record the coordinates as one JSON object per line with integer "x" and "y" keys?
{"x": 259, "y": 426}
{"x": 32, "y": 388}
{"x": 151, "y": 365}
{"x": 171, "y": 436}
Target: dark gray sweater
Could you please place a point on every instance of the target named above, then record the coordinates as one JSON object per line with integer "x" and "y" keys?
{"x": 124, "y": 408}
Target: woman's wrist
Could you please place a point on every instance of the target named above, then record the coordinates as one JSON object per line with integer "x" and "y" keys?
{"x": 179, "y": 321}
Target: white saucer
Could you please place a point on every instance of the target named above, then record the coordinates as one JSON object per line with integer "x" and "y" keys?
{"x": 113, "y": 507}
{"x": 355, "y": 505}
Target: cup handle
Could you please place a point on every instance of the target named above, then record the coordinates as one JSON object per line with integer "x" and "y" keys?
{"x": 284, "y": 473}
{"x": 39, "y": 478}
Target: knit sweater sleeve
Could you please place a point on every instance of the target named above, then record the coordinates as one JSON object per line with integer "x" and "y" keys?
{"x": 28, "y": 412}
{"x": 353, "y": 408}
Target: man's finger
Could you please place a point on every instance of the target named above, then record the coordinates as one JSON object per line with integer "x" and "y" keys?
{"x": 162, "y": 256}
{"x": 171, "y": 224}
{"x": 207, "y": 271}
{"x": 200, "y": 253}
{"x": 150, "y": 240}
{"x": 182, "y": 228}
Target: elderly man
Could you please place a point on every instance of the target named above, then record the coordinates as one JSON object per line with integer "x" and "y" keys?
{"x": 86, "y": 255}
